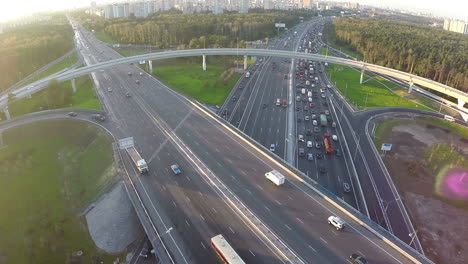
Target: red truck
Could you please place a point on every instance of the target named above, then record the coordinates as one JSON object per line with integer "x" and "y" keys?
{"x": 284, "y": 103}
{"x": 327, "y": 143}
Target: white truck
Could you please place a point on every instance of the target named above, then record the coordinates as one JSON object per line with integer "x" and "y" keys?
{"x": 247, "y": 74}
{"x": 139, "y": 162}
{"x": 276, "y": 177}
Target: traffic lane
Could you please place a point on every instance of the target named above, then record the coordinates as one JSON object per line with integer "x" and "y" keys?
{"x": 244, "y": 167}
{"x": 203, "y": 211}
{"x": 162, "y": 191}
{"x": 262, "y": 206}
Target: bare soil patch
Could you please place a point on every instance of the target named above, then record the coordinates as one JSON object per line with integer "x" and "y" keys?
{"x": 441, "y": 226}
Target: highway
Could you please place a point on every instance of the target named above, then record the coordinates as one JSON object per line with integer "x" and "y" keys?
{"x": 169, "y": 128}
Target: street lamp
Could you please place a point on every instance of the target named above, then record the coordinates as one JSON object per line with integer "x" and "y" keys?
{"x": 413, "y": 235}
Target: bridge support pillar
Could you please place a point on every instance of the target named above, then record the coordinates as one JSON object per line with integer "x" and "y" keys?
{"x": 411, "y": 86}
{"x": 150, "y": 63}
{"x": 461, "y": 104}
{"x": 204, "y": 62}
{"x": 73, "y": 85}
{"x": 7, "y": 113}
{"x": 362, "y": 76}
{"x": 245, "y": 62}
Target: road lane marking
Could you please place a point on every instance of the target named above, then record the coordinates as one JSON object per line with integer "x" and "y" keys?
{"x": 201, "y": 194}
{"x": 312, "y": 248}
{"x": 278, "y": 202}
{"x": 290, "y": 198}
{"x": 251, "y": 253}
{"x": 249, "y": 191}
{"x": 299, "y": 220}
{"x": 260, "y": 187}
{"x": 188, "y": 224}
{"x": 232, "y": 230}
{"x": 203, "y": 245}
{"x": 188, "y": 178}
{"x": 214, "y": 210}
{"x": 324, "y": 241}
{"x": 175, "y": 205}
{"x": 267, "y": 208}
{"x": 202, "y": 217}
{"x": 186, "y": 197}
{"x": 290, "y": 229}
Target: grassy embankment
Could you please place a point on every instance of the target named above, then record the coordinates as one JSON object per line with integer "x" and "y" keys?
{"x": 211, "y": 86}
{"x": 50, "y": 171}
{"x": 85, "y": 97}
{"x": 105, "y": 38}
{"x": 369, "y": 94}
{"x": 63, "y": 64}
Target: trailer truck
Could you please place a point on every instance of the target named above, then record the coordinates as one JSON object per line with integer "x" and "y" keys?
{"x": 323, "y": 120}
{"x": 327, "y": 143}
{"x": 139, "y": 162}
{"x": 276, "y": 177}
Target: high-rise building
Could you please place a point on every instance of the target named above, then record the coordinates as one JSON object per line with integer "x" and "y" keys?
{"x": 456, "y": 26}
{"x": 244, "y": 6}
{"x": 308, "y": 4}
{"x": 268, "y": 4}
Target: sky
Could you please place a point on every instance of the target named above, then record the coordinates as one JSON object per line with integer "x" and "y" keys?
{"x": 11, "y": 9}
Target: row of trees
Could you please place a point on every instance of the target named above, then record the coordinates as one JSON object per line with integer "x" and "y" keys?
{"x": 26, "y": 49}
{"x": 429, "y": 52}
{"x": 225, "y": 30}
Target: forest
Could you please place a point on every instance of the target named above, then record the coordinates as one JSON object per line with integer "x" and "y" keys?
{"x": 195, "y": 30}
{"x": 429, "y": 52}
{"x": 27, "y": 48}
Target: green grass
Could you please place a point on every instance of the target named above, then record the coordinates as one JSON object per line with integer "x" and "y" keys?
{"x": 204, "y": 86}
{"x": 383, "y": 131}
{"x": 369, "y": 94}
{"x": 85, "y": 97}
{"x": 50, "y": 171}
{"x": 187, "y": 76}
{"x": 65, "y": 63}
{"x": 105, "y": 38}
{"x": 439, "y": 156}
{"x": 463, "y": 131}
{"x": 131, "y": 52}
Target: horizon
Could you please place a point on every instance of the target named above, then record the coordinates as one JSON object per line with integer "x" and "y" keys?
{"x": 29, "y": 8}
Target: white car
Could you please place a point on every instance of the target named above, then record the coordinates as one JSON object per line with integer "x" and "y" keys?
{"x": 310, "y": 99}
{"x": 314, "y": 122}
{"x": 301, "y": 138}
{"x": 337, "y": 222}
{"x": 310, "y": 144}
{"x": 306, "y": 118}
{"x": 335, "y": 138}
{"x": 323, "y": 95}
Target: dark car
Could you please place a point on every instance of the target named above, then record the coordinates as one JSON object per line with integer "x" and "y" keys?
{"x": 308, "y": 133}
{"x": 316, "y": 130}
{"x": 299, "y": 120}
{"x": 99, "y": 117}
{"x": 310, "y": 156}
{"x": 72, "y": 114}
{"x": 265, "y": 106}
{"x": 357, "y": 259}
{"x": 338, "y": 152}
{"x": 322, "y": 169}
{"x": 319, "y": 155}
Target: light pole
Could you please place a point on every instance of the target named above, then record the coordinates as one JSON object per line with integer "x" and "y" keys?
{"x": 413, "y": 235}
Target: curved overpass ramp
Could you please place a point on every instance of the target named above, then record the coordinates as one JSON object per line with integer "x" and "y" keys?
{"x": 412, "y": 79}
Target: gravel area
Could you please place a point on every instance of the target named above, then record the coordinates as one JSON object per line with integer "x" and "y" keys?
{"x": 112, "y": 221}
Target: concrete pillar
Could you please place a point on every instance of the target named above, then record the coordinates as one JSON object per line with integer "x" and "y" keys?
{"x": 362, "y": 76}
{"x": 461, "y": 104}
{"x": 245, "y": 62}
{"x": 150, "y": 63}
{"x": 7, "y": 113}
{"x": 411, "y": 84}
{"x": 73, "y": 85}
{"x": 204, "y": 62}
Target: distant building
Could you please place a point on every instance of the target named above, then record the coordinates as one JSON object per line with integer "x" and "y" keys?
{"x": 268, "y": 4}
{"x": 307, "y": 4}
{"x": 456, "y": 26}
{"x": 244, "y": 6}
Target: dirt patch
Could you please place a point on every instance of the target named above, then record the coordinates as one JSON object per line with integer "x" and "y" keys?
{"x": 440, "y": 225}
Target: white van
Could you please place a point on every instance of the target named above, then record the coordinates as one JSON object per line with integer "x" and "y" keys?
{"x": 309, "y": 94}
{"x": 278, "y": 102}
{"x": 276, "y": 177}
{"x": 449, "y": 118}
{"x": 303, "y": 91}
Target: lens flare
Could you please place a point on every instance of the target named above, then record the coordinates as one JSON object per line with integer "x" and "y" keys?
{"x": 452, "y": 183}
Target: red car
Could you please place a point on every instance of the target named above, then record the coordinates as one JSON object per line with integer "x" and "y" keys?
{"x": 311, "y": 105}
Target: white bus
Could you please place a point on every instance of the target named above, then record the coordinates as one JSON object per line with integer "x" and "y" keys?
{"x": 225, "y": 251}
